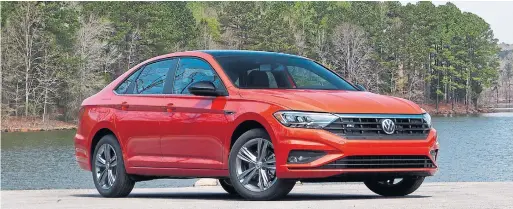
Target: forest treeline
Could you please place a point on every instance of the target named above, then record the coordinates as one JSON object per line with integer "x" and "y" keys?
{"x": 55, "y": 54}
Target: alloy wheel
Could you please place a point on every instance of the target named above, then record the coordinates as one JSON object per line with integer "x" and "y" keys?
{"x": 256, "y": 165}
{"x": 105, "y": 164}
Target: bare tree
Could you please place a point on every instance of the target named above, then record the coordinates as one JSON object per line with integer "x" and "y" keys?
{"x": 298, "y": 24}
{"x": 230, "y": 40}
{"x": 508, "y": 77}
{"x": 322, "y": 45}
{"x": 95, "y": 57}
{"x": 24, "y": 33}
{"x": 12, "y": 77}
{"x": 47, "y": 80}
{"x": 351, "y": 54}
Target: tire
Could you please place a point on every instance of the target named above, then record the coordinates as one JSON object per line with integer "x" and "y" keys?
{"x": 405, "y": 187}
{"x": 120, "y": 185}
{"x": 276, "y": 188}
{"x": 227, "y": 186}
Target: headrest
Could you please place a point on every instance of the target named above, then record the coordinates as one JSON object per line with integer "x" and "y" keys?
{"x": 258, "y": 79}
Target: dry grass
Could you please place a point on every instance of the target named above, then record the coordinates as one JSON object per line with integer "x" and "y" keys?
{"x": 24, "y": 124}
{"x": 447, "y": 109}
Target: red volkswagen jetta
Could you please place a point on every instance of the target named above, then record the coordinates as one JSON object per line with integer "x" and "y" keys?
{"x": 257, "y": 121}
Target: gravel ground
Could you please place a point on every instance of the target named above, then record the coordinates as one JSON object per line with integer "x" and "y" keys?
{"x": 430, "y": 195}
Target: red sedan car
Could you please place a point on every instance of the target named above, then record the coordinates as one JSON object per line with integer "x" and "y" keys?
{"x": 257, "y": 121}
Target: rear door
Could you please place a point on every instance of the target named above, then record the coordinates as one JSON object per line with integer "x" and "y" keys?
{"x": 194, "y": 136}
{"x": 143, "y": 109}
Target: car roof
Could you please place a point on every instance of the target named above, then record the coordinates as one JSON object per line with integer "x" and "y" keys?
{"x": 230, "y": 53}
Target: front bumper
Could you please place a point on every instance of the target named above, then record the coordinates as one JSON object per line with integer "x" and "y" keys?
{"x": 337, "y": 147}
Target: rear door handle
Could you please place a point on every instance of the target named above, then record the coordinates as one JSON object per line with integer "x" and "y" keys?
{"x": 169, "y": 107}
{"x": 124, "y": 106}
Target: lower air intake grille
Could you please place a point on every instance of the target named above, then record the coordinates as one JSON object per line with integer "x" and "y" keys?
{"x": 400, "y": 161}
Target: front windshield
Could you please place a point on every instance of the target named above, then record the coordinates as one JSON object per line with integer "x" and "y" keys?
{"x": 280, "y": 72}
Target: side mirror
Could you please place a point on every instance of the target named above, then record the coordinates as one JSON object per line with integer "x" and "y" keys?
{"x": 204, "y": 88}
{"x": 360, "y": 87}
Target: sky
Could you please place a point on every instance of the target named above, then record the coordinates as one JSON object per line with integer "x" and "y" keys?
{"x": 499, "y": 14}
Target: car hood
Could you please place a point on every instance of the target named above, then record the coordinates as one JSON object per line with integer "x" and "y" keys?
{"x": 333, "y": 101}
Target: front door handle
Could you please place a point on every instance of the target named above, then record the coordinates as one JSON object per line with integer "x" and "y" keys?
{"x": 169, "y": 107}
{"x": 124, "y": 106}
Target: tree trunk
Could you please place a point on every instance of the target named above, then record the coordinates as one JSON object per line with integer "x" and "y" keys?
{"x": 446, "y": 90}
{"x": 28, "y": 55}
{"x": 509, "y": 92}
{"x": 467, "y": 92}
{"x": 16, "y": 99}
{"x": 45, "y": 102}
{"x": 497, "y": 99}
{"x": 46, "y": 84}
{"x": 437, "y": 90}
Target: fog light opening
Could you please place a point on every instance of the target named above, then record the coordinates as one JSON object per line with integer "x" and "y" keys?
{"x": 434, "y": 154}
{"x": 304, "y": 156}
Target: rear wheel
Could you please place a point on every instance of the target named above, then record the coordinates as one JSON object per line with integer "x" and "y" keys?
{"x": 395, "y": 187}
{"x": 109, "y": 175}
{"x": 252, "y": 166}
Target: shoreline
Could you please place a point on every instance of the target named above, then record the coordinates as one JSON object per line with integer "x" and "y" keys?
{"x": 21, "y": 130}
{"x": 31, "y": 124}
{"x": 447, "y": 110}
{"x": 22, "y": 124}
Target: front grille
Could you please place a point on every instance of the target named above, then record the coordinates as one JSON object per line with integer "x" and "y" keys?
{"x": 394, "y": 161}
{"x": 369, "y": 127}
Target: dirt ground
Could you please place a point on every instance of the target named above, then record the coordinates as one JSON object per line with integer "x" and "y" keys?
{"x": 23, "y": 124}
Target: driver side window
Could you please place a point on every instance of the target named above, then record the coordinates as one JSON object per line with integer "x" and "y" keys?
{"x": 192, "y": 70}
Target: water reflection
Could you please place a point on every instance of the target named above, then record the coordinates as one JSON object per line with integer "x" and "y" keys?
{"x": 46, "y": 160}
{"x": 473, "y": 148}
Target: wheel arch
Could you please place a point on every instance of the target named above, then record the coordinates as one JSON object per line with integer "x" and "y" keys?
{"x": 102, "y": 129}
{"x": 247, "y": 122}
{"x": 243, "y": 128}
{"x": 96, "y": 138}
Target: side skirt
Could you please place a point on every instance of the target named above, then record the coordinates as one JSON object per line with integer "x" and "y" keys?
{"x": 148, "y": 173}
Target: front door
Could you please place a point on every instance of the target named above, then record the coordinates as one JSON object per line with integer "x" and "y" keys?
{"x": 194, "y": 135}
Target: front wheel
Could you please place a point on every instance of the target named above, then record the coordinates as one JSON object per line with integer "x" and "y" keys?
{"x": 109, "y": 175}
{"x": 395, "y": 187}
{"x": 252, "y": 167}
{"x": 227, "y": 186}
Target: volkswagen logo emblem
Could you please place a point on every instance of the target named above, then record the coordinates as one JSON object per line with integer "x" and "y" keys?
{"x": 388, "y": 126}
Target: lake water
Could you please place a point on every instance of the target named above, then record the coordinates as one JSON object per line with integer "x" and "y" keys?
{"x": 473, "y": 148}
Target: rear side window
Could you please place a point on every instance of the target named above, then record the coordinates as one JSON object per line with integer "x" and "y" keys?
{"x": 152, "y": 79}
{"x": 192, "y": 70}
{"x": 123, "y": 88}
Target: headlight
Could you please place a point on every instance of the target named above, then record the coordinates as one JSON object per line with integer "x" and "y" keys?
{"x": 304, "y": 119}
{"x": 427, "y": 118}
